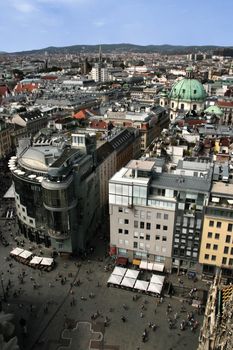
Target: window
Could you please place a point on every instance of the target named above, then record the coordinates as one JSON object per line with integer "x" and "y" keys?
{"x": 158, "y": 215}
{"x": 164, "y": 238}
{"x": 157, "y": 237}
{"x": 217, "y": 235}
{"x": 126, "y": 242}
{"x": 126, "y": 232}
{"x": 120, "y": 210}
{"x": 165, "y": 216}
{"x": 172, "y": 104}
{"x": 23, "y": 209}
{"x": 158, "y": 226}
{"x": 206, "y": 256}
{"x": 136, "y": 224}
{"x": 126, "y": 221}
{"x": 147, "y": 237}
{"x": 182, "y": 106}
{"x": 226, "y": 250}
{"x": 208, "y": 245}
{"x": 219, "y": 224}
{"x": 148, "y": 215}
{"x": 230, "y": 261}
{"x": 228, "y": 239}
{"x": 120, "y": 221}
{"x": 31, "y": 221}
{"x": 141, "y": 245}
{"x": 224, "y": 261}
{"x": 231, "y": 251}
{"x": 120, "y": 230}
{"x": 213, "y": 257}
{"x": 142, "y": 214}
{"x": 136, "y": 213}
{"x": 194, "y": 107}
{"x": 165, "y": 228}
{"x": 126, "y": 210}
{"x": 135, "y": 244}
{"x": 60, "y": 245}
{"x": 229, "y": 228}
{"x": 135, "y": 234}
{"x": 211, "y": 223}
{"x": 215, "y": 247}
{"x": 141, "y": 235}
{"x": 142, "y": 224}
{"x": 210, "y": 234}
{"x": 148, "y": 225}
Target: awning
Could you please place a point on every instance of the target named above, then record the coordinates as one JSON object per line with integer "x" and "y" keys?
{"x": 115, "y": 279}
{"x": 46, "y": 261}
{"x": 16, "y": 251}
{"x": 132, "y": 273}
{"x": 157, "y": 279}
{"x": 215, "y": 199}
{"x": 35, "y": 260}
{"x": 143, "y": 265}
{"x": 154, "y": 288}
{"x": 141, "y": 285}
{"x": 136, "y": 262}
{"x": 25, "y": 254}
{"x": 121, "y": 260}
{"x": 128, "y": 282}
{"x": 150, "y": 266}
{"x": 120, "y": 271}
{"x": 158, "y": 267}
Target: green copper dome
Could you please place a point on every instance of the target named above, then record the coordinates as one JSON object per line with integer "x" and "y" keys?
{"x": 188, "y": 90}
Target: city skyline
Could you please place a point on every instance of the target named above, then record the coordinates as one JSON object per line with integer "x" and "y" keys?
{"x": 27, "y": 24}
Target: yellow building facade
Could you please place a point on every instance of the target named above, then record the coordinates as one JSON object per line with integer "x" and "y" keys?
{"x": 216, "y": 248}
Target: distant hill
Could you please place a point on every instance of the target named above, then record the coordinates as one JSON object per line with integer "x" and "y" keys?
{"x": 119, "y": 48}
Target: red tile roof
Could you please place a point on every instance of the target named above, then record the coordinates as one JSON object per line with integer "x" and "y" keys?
{"x": 80, "y": 115}
{"x": 225, "y": 103}
{"x": 26, "y": 87}
{"x": 98, "y": 124}
{"x": 4, "y": 90}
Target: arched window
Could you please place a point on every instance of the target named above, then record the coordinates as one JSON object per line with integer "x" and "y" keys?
{"x": 182, "y": 106}
{"x": 172, "y": 104}
{"x": 194, "y": 107}
{"x": 161, "y": 103}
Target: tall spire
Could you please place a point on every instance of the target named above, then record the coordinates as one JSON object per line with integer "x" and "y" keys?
{"x": 100, "y": 54}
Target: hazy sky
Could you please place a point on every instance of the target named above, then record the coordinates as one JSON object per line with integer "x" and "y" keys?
{"x": 32, "y": 24}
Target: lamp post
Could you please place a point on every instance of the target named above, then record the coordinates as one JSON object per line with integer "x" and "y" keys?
{"x": 3, "y": 290}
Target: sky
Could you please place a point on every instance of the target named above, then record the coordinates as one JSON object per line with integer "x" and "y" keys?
{"x": 35, "y": 24}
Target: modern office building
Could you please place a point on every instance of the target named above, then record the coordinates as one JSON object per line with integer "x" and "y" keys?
{"x": 57, "y": 191}
{"x": 158, "y": 216}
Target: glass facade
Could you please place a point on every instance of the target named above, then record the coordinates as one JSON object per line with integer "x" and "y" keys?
{"x": 60, "y": 198}
{"x": 30, "y": 197}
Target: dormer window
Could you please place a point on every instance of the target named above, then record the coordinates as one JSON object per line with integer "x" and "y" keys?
{"x": 195, "y": 91}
